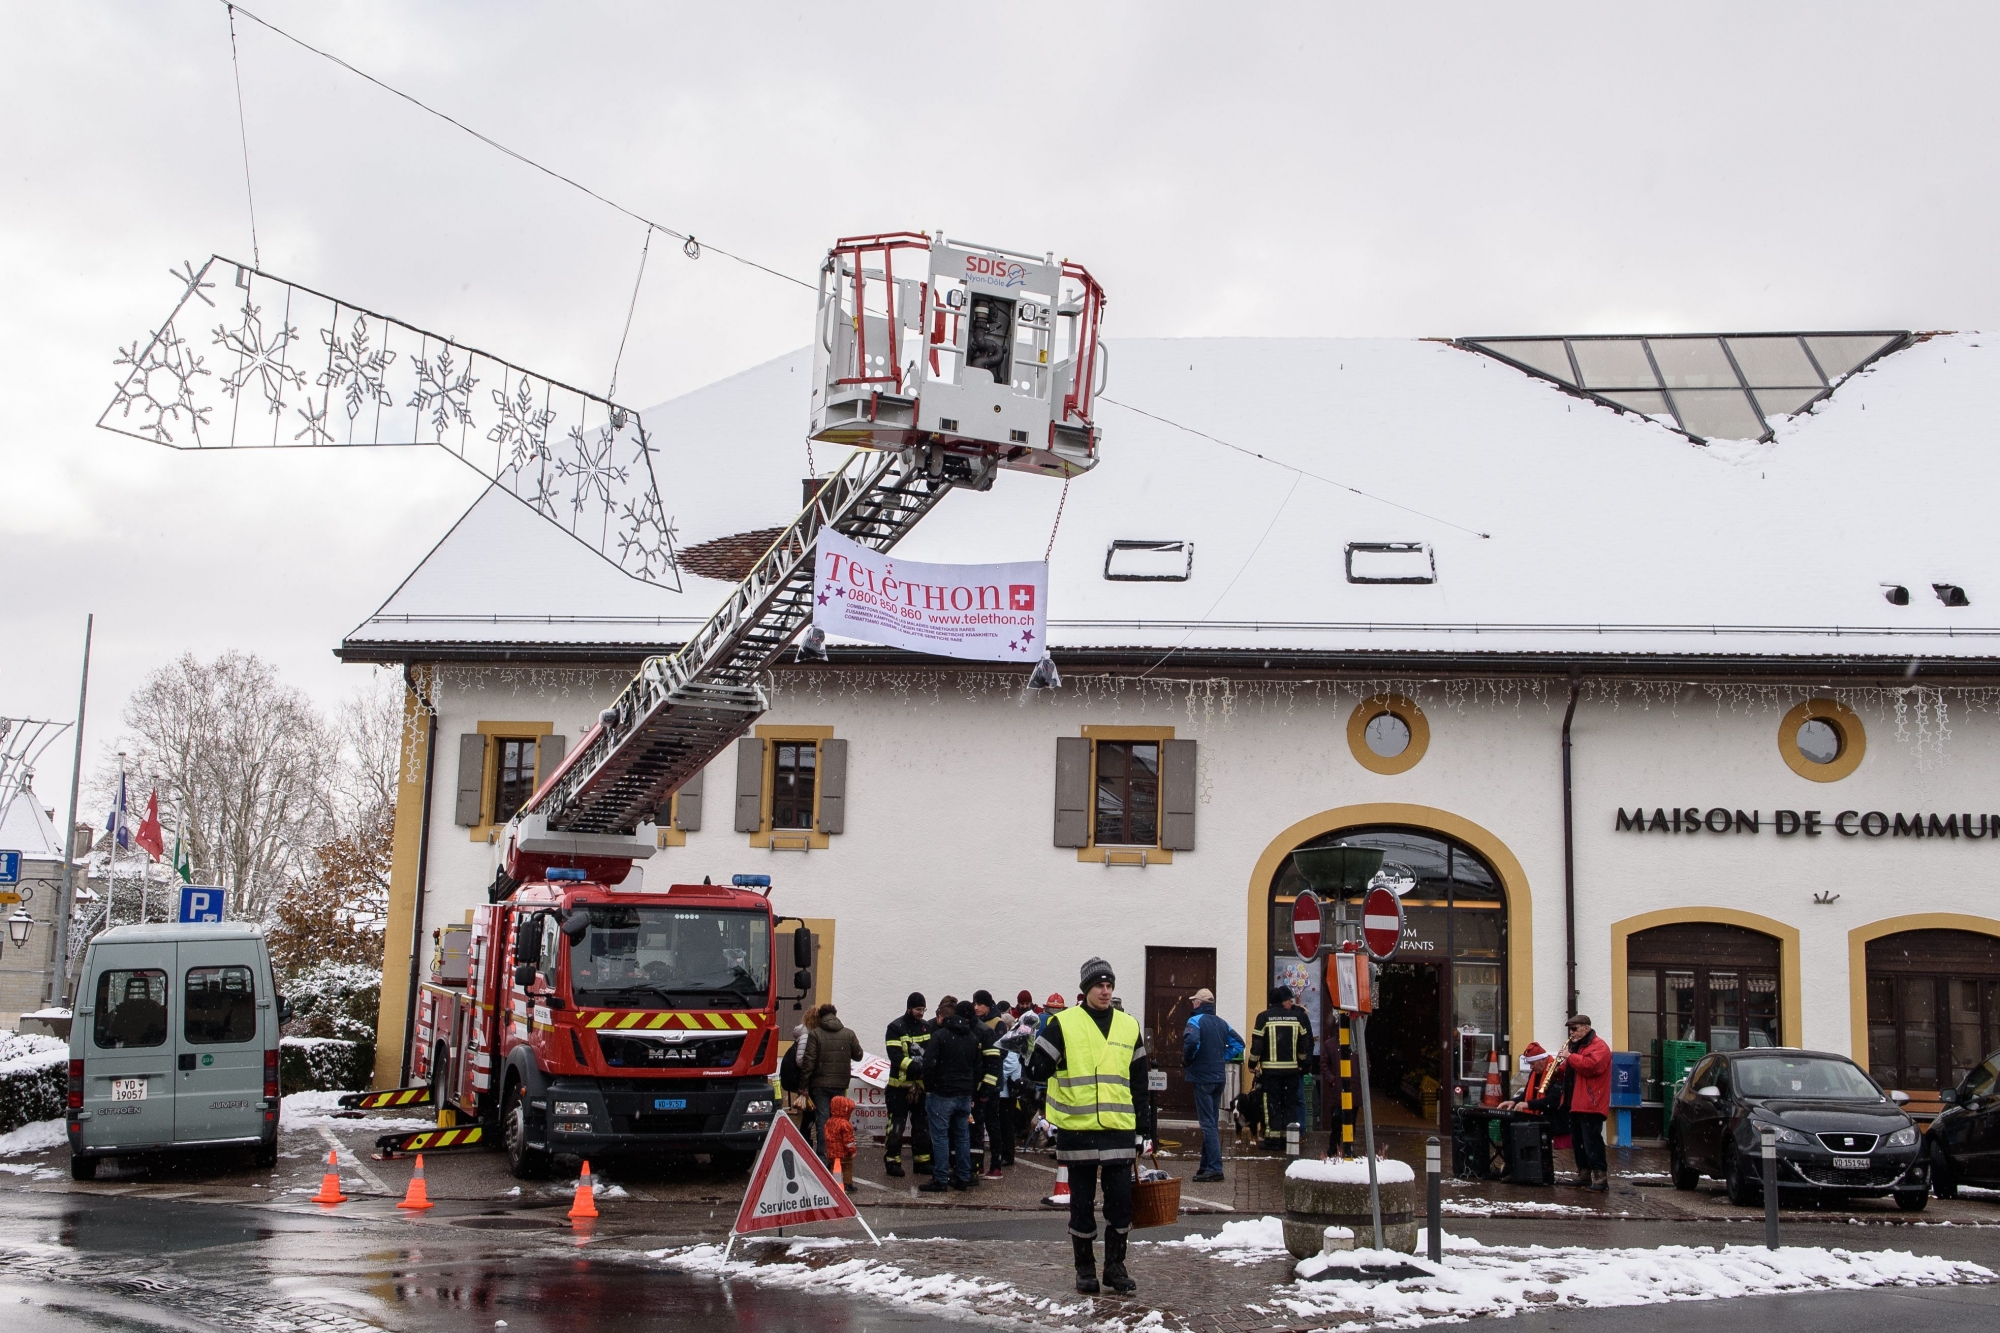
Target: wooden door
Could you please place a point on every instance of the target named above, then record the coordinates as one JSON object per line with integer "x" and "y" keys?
{"x": 1172, "y": 975}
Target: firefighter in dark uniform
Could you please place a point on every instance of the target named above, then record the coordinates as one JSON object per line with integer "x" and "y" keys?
{"x": 904, "y": 1096}
{"x": 1093, "y": 1057}
{"x": 1280, "y": 1046}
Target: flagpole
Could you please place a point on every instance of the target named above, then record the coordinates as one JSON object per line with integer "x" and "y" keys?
{"x": 59, "y": 976}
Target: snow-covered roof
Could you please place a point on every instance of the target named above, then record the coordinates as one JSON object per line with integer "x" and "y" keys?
{"x": 25, "y": 827}
{"x": 1557, "y": 526}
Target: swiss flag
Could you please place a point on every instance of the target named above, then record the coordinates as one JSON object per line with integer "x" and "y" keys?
{"x": 1021, "y": 596}
{"x": 148, "y": 835}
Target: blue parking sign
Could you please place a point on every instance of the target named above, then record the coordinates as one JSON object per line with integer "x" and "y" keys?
{"x": 201, "y": 904}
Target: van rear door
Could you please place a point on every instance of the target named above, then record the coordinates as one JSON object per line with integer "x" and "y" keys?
{"x": 128, "y": 1048}
{"x": 225, "y": 1005}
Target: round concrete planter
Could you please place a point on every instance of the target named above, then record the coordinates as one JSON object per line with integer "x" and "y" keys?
{"x": 1311, "y": 1206}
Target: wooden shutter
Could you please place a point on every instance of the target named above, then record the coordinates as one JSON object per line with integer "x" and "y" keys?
{"x": 749, "y": 785}
{"x": 549, "y": 751}
{"x": 1177, "y": 795}
{"x": 471, "y": 778}
{"x": 1072, "y": 791}
{"x": 687, "y": 814}
{"x": 832, "y": 786}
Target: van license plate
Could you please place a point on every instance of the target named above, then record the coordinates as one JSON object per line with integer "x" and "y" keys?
{"x": 128, "y": 1089}
{"x": 670, "y": 1103}
{"x": 1850, "y": 1163}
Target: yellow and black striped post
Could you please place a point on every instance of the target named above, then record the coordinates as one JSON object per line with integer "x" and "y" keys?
{"x": 1346, "y": 1085}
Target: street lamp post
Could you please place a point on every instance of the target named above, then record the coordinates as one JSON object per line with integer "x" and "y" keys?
{"x": 19, "y": 926}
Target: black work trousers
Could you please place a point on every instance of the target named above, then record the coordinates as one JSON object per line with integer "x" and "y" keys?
{"x": 1281, "y": 1103}
{"x": 906, "y": 1108}
{"x": 1586, "y": 1135}
{"x": 997, "y": 1118}
{"x": 1083, "y": 1182}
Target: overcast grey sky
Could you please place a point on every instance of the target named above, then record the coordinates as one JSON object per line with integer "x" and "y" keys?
{"x": 1230, "y": 170}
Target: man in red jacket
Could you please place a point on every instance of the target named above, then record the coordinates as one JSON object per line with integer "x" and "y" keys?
{"x": 1589, "y": 1068}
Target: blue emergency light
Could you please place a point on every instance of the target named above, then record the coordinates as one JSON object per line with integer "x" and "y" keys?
{"x": 568, "y": 872}
{"x": 751, "y": 881}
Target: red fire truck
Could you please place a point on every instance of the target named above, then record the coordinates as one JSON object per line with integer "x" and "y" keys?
{"x": 594, "y": 1021}
{"x": 586, "y": 1014}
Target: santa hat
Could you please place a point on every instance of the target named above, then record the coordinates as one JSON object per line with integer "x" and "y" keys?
{"x": 1534, "y": 1055}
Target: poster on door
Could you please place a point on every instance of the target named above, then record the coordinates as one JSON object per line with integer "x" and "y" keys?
{"x": 984, "y": 613}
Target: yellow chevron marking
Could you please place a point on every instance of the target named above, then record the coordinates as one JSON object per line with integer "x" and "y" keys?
{"x": 746, "y": 1020}
{"x": 657, "y": 1021}
{"x": 628, "y": 1020}
{"x": 412, "y": 1095}
{"x": 717, "y": 1021}
{"x": 597, "y": 1020}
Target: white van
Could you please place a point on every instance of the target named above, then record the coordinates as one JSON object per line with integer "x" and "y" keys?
{"x": 174, "y": 1045}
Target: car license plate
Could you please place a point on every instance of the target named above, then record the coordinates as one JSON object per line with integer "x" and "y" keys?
{"x": 1850, "y": 1163}
{"x": 128, "y": 1089}
{"x": 670, "y": 1103}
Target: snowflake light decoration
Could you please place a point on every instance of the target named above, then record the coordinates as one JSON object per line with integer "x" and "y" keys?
{"x": 340, "y": 375}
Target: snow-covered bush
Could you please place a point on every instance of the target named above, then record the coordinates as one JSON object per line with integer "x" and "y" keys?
{"x": 324, "y": 1064}
{"x": 34, "y": 1079}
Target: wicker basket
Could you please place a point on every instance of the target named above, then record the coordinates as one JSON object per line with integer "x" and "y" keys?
{"x": 1155, "y": 1203}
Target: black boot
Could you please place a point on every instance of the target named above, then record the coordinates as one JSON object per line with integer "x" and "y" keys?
{"x": 1115, "y": 1276}
{"x": 1086, "y": 1264}
{"x": 894, "y": 1168}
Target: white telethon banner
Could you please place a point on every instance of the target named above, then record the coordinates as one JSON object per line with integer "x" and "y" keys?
{"x": 987, "y": 613}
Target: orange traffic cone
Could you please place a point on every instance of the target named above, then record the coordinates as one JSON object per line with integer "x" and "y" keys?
{"x": 585, "y": 1205}
{"x": 418, "y": 1196}
{"x": 1492, "y": 1097}
{"x": 329, "y": 1185}
{"x": 1060, "y": 1199}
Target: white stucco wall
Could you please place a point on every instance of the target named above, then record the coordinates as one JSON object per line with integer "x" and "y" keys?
{"x": 947, "y": 880}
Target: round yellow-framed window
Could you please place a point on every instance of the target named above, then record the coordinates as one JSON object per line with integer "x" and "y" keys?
{"x": 1822, "y": 740}
{"x": 1388, "y": 734}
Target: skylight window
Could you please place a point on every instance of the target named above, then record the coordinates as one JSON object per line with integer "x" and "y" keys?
{"x": 1390, "y": 562}
{"x": 1129, "y": 561}
{"x": 1709, "y": 386}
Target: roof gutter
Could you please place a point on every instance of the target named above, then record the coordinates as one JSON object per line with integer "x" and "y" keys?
{"x": 1569, "y": 844}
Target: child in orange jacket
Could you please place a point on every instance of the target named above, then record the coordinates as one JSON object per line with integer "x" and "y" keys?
{"x": 840, "y": 1140}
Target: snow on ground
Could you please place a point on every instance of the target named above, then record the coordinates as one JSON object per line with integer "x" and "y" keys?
{"x": 1505, "y": 1281}
{"x": 1492, "y": 1207}
{"x": 39, "y": 1136}
{"x": 1350, "y": 1171}
{"x": 308, "y": 1110}
{"x": 871, "y": 1277}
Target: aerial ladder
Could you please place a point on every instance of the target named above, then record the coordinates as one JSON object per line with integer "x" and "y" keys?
{"x": 975, "y": 360}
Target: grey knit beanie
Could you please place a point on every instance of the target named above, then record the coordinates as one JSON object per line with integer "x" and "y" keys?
{"x": 1093, "y": 971}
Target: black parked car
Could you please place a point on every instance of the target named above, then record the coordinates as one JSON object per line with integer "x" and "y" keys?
{"x": 1839, "y": 1134}
{"x": 1964, "y": 1140}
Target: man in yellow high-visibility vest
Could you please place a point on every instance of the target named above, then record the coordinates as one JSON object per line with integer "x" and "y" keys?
{"x": 1093, "y": 1058}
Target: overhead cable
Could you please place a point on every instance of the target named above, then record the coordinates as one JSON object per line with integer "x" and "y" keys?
{"x": 693, "y": 250}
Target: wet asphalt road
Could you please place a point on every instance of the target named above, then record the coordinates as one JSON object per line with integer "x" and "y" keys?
{"x": 76, "y": 1262}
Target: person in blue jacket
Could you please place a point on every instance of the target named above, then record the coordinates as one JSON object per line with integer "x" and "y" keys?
{"x": 1206, "y": 1046}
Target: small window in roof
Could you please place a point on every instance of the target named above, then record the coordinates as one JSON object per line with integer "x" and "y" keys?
{"x": 1614, "y": 363}
{"x": 1129, "y": 561}
{"x": 1550, "y": 356}
{"x": 1646, "y": 404}
{"x": 1390, "y": 562}
{"x": 1692, "y": 363}
{"x": 1774, "y": 363}
{"x": 1718, "y": 414}
{"x": 1840, "y": 354}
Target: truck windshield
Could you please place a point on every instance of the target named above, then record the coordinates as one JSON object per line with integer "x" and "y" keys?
{"x": 672, "y": 958}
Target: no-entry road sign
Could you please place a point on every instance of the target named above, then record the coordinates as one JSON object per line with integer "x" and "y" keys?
{"x": 1307, "y": 925}
{"x": 1381, "y": 922}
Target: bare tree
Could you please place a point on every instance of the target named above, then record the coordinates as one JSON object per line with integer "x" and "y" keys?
{"x": 244, "y": 765}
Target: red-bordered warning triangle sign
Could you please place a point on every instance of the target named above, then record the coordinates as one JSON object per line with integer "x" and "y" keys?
{"x": 789, "y": 1186}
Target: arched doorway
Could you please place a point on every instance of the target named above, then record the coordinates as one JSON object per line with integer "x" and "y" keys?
{"x": 1700, "y": 981}
{"x": 1933, "y": 1006}
{"x": 1443, "y": 1005}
